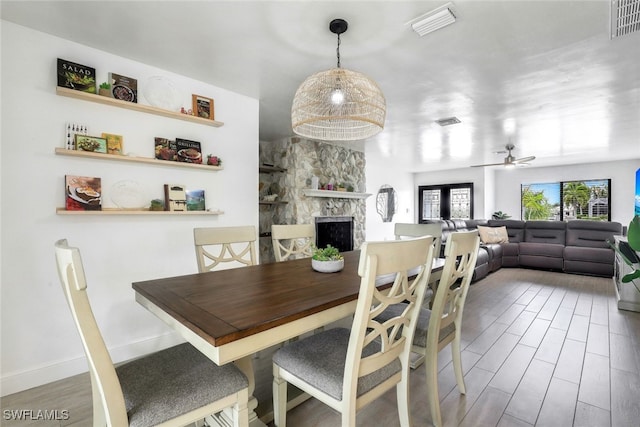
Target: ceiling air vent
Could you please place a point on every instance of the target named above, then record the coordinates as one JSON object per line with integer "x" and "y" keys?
{"x": 448, "y": 121}
{"x": 625, "y": 17}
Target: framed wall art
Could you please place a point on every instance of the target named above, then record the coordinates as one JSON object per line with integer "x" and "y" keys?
{"x": 203, "y": 107}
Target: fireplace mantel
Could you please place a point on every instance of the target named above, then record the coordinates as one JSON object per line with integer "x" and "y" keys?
{"x": 334, "y": 194}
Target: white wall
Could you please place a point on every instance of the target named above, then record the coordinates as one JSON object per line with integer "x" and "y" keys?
{"x": 378, "y": 174}
{"x": 39, "y": 341}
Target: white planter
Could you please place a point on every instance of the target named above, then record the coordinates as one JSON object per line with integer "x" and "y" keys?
{"x": 327, "y": 266}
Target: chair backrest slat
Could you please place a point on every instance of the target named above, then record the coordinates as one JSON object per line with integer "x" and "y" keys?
{"x": 292, "y": 241}
{"x": 407, "y": 230}
{"x": 461, "y": 253}
{"x": 108, "y": 400}
{"x": 231, "y": 245}
{"x": 411, "y": 262}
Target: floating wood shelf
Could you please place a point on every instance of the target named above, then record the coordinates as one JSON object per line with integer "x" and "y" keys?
{"x": 116, "y": 211}
{"x": 105, "y": 100}
{"x": 335, "y": 194}
{"x": 270, "y": 169}
{"x": 264, "y": 202}
{"x": 147, "y": 160}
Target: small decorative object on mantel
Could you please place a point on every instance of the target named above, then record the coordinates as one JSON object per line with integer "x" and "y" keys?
{"x": 83, "y": 193}
{"x": 123, "y": 87}
{"x": 214, "y": 160}
{"x": 203, "y": 107}
{"x": 270, "y": 197}
{"x": 76, "y": 76}
{"x": 327, "y": 260}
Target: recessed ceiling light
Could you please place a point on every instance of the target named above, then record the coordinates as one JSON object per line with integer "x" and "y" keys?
{"x": 448, "y": 121}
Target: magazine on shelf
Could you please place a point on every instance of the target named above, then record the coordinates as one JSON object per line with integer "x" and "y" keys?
{"x": 82, "y": 193}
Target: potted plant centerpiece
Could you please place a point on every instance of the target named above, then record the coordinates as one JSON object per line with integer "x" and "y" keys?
{"x": 327, "y": 260}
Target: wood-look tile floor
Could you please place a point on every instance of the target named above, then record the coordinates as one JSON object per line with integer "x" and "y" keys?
{"x": 540, "y": 348}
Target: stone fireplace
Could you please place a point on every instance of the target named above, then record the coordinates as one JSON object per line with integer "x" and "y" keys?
{"x": 302, "y": 160}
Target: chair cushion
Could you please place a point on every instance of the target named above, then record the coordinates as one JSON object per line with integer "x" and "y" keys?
{"x": 172, "y": 382}
{"x": 422, "y": 328}
{"x": 319, "y": 360}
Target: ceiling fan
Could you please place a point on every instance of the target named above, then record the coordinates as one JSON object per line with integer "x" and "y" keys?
{"x": 509, "y": 161}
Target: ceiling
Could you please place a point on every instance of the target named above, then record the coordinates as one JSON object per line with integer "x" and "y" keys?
{"x": 544, "y": 75}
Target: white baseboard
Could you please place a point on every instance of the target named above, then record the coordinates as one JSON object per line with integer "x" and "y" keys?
{"x": 14, "y": 382}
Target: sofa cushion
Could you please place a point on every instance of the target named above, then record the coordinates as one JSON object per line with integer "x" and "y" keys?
{"x": 592, "y": 234}
{"x": 493, "y": 234}
{"x": 553, "y": 232}
{"x": 597, "y": 255}
{"x": 541, "y": 249}
{"x": 515, "y": 228}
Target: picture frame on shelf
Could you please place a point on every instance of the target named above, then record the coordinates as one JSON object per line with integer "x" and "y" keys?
{"x": 203, "y": 107}
{"x": 82, "y": 193}
{"x": 70, "y": 132}
{"x": 114, "y": 143}
{"x": 93, "y": 144}
{"x": 195, "y": 200}
{"x": 76, "y": 76}
{"x": 175, "y": 197}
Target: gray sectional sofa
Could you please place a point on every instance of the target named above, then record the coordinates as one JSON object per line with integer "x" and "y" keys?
{"x": 577, "y": 246}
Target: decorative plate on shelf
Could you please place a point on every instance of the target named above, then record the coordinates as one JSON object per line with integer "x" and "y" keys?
{"x": 129, "y": 195}
{"x": 162, "y": 93}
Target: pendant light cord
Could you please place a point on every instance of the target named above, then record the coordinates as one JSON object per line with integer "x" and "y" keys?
{"x": 338, "y": 51}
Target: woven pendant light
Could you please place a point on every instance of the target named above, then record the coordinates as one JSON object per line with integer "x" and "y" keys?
{"x": 338, "y": 104}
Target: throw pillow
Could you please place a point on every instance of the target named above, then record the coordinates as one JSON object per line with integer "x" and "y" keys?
{"x": 493, "y": 234}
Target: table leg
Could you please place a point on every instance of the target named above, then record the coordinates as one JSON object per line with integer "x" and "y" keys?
{"x": 225, "y": 418}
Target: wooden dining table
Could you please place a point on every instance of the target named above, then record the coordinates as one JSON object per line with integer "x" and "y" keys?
{"x": 231, "y": 314}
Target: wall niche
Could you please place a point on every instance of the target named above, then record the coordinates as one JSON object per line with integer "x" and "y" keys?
{"x": 303, "y": 159}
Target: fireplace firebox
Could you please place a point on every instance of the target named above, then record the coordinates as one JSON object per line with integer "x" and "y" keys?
{"x": 336, "y": 231}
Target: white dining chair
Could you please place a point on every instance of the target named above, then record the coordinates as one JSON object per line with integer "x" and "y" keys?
{"x": 348, "y": 369}
{"x": 173, "y": 387}
{"x": 442, "y": 325}
{"x": 224, "y": 246}
{"x": 293, "y": 241}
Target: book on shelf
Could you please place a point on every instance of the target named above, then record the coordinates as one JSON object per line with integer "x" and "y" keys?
{"x": 165, "y": 149}
{"x": 195, "y": 200}
{"x": 175, "y": 197}
{"x": 76, "y": 76}
{"x": 123, "y": 87}
{"x": 188, "y": 151}
{"x": 94, "y": 144}
{"x": 114, "y": 143}
{"x": 82, "y": 193}
{"x": 71, "y": 130}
